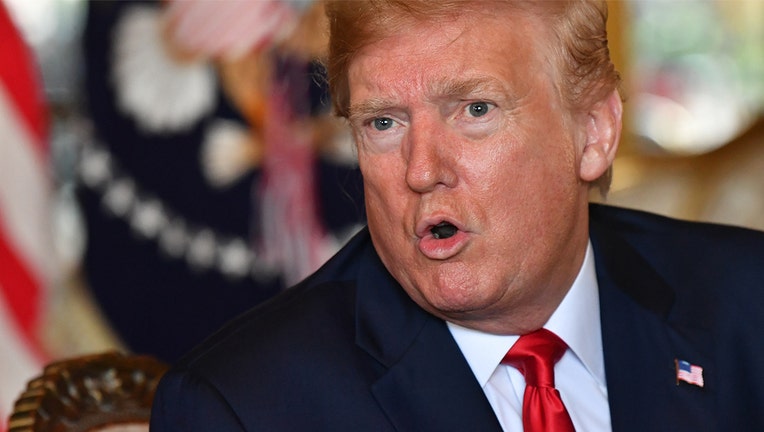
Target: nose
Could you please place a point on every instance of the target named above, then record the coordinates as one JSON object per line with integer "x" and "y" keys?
{"x": 430, "y": 157}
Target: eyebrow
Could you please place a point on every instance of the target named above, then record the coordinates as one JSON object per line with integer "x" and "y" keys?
{"x": 368, "y": 108}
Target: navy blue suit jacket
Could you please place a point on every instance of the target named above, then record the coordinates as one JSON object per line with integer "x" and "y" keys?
{"x": 347, "y": 350}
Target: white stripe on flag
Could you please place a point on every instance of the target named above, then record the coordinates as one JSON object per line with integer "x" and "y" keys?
{"x": 24, "y": 221}
{"x": 24, "y": 193}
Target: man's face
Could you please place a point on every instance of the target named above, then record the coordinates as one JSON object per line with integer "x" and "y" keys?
{"x": 471, "y": 169}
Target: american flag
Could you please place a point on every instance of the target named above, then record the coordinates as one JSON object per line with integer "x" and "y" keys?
{"x": 688, "y": 373}
{"x": 26, "y": 264}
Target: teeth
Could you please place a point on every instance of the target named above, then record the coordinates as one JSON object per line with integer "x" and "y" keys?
{"x": 443, "y": 230}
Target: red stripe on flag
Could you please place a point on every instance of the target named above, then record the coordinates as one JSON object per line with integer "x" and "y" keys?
{"x": 21, "y": 293}
{"x": 21, "y": 80}
{"x": 21, "y": 287}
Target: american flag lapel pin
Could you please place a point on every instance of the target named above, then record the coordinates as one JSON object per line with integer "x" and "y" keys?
{"x": 689, "y": 373}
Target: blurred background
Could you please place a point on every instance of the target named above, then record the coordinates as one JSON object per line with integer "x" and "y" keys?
{"x": 165, "y": 166}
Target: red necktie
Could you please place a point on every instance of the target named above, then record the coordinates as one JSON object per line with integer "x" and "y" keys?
{"x": 534, "y": 355}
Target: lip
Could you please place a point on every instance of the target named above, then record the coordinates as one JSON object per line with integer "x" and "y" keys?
{"x": 440, "y": 249}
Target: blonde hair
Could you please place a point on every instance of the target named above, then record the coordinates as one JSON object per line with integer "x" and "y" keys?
{"x": 579, "y": 27}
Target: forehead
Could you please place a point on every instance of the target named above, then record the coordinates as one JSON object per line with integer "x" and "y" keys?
{"x": 452, "y": 55}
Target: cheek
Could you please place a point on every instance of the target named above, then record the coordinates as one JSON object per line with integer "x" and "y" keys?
{"x": 522, "y": 177}
{"x": 500, "y": 170}
{"x": 548, "y": 158}
{"x": 381, "y": 180}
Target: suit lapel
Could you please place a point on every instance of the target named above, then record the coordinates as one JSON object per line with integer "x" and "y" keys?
{"x": 425, "y": 382}
{"x": 642, "y": 337}
{"x": 433, "y": 389}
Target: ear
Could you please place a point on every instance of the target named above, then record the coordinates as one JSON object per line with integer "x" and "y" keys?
{"x": 603, "y": 132}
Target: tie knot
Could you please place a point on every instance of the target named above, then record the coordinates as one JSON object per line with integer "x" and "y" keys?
{"x": 535, "y": 355}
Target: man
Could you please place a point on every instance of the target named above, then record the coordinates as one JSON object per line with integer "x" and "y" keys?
{"x": 480, "y": 128}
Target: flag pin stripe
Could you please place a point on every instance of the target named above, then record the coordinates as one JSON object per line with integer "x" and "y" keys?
{"x": 689, "y": 373}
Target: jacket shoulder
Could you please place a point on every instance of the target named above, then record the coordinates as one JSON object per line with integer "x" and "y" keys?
{"x": 714, "y": 270}
{"x": 632, "y": 223}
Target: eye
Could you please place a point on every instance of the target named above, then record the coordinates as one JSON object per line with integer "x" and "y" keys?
{"x": 478, "y": 109}
{"x": 382, "y": 123}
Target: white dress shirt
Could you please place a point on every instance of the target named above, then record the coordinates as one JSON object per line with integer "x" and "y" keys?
{"x": 579, "y": 375}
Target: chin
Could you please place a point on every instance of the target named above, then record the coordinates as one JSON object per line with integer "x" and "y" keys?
{"x": 452, "y": 299}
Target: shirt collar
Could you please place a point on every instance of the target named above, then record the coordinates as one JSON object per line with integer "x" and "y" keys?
{"x": 576, "y": 320}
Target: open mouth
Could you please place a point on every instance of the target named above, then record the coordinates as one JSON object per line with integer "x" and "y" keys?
{"x": 443, "y": 230}
{"x": 440, "y": 239}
